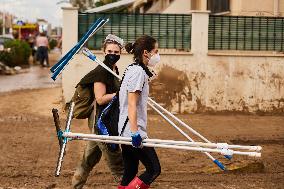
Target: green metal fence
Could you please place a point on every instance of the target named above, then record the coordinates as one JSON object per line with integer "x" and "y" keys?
{"x": 246, "y": 33}
{"x": 173, "y": 31}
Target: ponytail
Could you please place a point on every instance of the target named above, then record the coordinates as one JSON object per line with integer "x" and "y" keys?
{"x": 129, "y": 47}
{"x": 144, "y": 42}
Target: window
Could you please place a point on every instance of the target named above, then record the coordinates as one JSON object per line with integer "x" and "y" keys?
{"x": 217, "y": 6}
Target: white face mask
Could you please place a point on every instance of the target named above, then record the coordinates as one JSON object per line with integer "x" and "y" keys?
{"x": 154, "y": 60}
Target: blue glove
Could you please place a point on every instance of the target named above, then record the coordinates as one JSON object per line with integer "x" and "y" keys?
{"x": 136, "y": 140}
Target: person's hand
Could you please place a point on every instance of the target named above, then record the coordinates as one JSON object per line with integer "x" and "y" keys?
{"x": 136, "y": 140}
{"x": 113, "y": 95}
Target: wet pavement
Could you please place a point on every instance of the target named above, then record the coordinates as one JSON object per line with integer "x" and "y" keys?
{"x": 33, "y": 78}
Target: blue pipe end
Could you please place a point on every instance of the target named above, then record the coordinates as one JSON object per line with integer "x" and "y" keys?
{"x": 53, "y": 77}
{"x": 219, "y": 164}
{"x": 228, "y": 157}
{"x": 59, "y": 134}
{"x": 92, "y": 57}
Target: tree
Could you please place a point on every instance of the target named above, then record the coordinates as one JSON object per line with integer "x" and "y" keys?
{"x": 83, "y": 4}
{"x": 87, "y": 4}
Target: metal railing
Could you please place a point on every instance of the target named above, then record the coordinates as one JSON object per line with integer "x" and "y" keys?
{"x": 246, "y": 33}
{"x": 173, "y": 31}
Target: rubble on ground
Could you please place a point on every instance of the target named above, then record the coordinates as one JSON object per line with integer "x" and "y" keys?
{"x": 6, "y": 70}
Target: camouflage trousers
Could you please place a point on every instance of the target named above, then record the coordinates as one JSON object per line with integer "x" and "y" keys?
{"x": 92, "y": 155}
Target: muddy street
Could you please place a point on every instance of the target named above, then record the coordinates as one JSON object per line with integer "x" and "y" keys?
{"x": 30, "y": 78}
{"x": 29, "y": 148}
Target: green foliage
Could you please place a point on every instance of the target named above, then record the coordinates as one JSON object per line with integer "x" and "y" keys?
{"x": 18, "y": 55}
{"x": 99, "y": 3}
{"x": 52, "y": 43}
{"x": 104, "y": 2}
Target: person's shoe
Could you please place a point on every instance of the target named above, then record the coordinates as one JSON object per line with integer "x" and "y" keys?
{"x": 136, "y": 183}
{"x": 79, "y": 178}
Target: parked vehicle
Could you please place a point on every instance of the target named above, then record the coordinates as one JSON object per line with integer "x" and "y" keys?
{"x": 3, "y": 39}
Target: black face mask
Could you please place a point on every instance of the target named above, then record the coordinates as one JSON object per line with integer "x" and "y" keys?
{"x": 111, "y": 59}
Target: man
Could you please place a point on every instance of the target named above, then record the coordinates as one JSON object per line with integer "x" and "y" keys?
{"x": 42, "y": 49}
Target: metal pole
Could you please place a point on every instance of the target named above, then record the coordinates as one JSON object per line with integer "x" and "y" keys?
{"x": 77, "y": 47}
{"x": 179, "y": 121}
{"x": 3, "y": 29}
{"x": 160, "y": 141}
{"x": 65, "y": 140}
{"x": 126, "y": 141}
{"x": 217, "y": 162}
{"x": 3, "y": 18}
{"x": 59, "y": 67}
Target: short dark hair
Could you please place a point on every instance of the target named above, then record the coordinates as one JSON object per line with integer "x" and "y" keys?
{"x": 145, "y": 42}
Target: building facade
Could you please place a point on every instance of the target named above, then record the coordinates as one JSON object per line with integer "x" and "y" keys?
{"x": 200, "y": 80}
{"x": 6, "y": 22}
{"x": 225, "y": 7}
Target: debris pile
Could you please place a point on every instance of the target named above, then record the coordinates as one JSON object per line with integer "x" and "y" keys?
{"x": 6, "y": 70}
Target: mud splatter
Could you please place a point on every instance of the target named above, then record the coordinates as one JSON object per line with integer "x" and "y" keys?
{"x": 170, "y": 87}
{"x": 185, "y": 92}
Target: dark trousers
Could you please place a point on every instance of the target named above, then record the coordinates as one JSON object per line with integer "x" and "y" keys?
{"x": 149, "y": 159}
{"x": 42, "y": 54}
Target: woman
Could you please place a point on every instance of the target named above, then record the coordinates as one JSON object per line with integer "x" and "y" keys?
{"x": 105, "y": 86}
{"x": 133, "y": 96}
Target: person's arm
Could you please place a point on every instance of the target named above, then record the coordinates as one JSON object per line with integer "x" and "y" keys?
{"x": 46, "y": 42}
{"x": 132, "y": 110}
{"x": 134, "y": 87}
{"x": 100, "y": 93}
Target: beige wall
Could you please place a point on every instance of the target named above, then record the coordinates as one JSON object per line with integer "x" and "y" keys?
{"x": 69, "y": 40}
{"x": 237, "y": 7}
{"x": 222, "y": 83}
{"x": 281, "y": 8}
{"x": 202, "y": 81}
{"x": 256, "y": 7}
{"x": 182, "y": 6}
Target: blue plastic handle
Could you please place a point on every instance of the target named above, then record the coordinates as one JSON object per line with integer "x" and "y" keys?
{"x": 102, "y": 128}
{"x": 59, "y": 69}
{"x": 219, "y": 164}
{"x": 63, "y": 62}
{"x": 228, "y": 157}
{"x": 55, "y": 66}
{"x": 92, "y": 56}
{"x": 76, "y": 47}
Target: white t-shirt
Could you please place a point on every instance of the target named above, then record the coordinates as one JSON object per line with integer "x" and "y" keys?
{"x": 135, "y": 79}
{"x": 41, "y": 41}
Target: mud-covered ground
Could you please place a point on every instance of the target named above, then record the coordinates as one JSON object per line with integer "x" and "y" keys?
{"x": 29, "y": 148}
